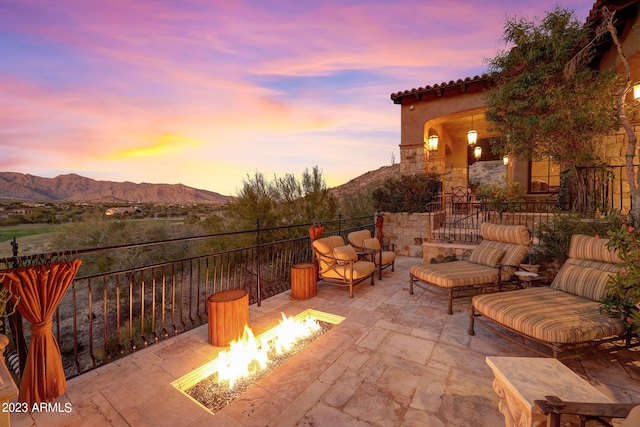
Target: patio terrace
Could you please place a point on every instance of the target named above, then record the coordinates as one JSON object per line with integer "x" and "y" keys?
{"x": 396, "y": 360}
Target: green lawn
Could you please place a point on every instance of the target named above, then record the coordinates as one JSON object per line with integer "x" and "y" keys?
{"x": 25, "y": 230}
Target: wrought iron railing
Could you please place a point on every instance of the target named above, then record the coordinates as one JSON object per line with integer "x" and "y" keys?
{"x": 461, "y": 219}
{"x": 104, "y": 316}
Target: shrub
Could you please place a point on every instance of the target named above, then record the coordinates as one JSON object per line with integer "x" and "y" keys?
{"x": 623, "y": 297}
{"x": 409, "y": 193}
{"x": 555, "y": 236}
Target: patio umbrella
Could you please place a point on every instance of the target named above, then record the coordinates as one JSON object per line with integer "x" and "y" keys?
{"x": 315, "y": 231}
{"x": 379, "y": 234}
{"x": 40, "y": 289}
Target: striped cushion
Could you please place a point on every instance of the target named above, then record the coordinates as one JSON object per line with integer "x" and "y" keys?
{"x": 586, "y": 282}
{"x": 456, "y": 273}
{"x": 513, "y": 255}
{"x": 516, "y": 234}
{"x": 486, "y": 256}
{"x": 549, "y": 315}
{"x": 591, "y": 248}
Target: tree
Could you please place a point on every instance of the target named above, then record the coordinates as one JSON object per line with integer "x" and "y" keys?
{"x": 283, "y": 201}
{"x": 542, "y": 112}
{"x": 633, "y": 177}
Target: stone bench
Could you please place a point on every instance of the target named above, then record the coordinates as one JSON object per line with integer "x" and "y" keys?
{"x": 521, "y": 380}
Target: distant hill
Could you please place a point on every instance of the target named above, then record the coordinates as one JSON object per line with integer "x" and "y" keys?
{"x": 366, "y": 181}
{"x": 76, "y": 188}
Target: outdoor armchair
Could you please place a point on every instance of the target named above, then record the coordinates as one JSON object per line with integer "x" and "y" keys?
{"x": 489, "y": 266}
{"x": 382, "y": 256}
{"x": 338, "y": 264}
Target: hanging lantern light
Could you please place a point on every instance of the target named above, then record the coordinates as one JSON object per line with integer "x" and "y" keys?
{"x": 505, "y": 160}
{"x": 433, "y": 143}
{"x": 636, "y": 91}
{"x": 477, "y": 152}
{"x": 472, "y": 135}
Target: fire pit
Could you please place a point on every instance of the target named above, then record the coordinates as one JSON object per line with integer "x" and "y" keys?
{"x": 219, "y": 382}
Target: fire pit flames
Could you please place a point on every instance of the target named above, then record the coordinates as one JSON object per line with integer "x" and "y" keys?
{"x": 217, "y": 383}
{"x": 248, "y": 355}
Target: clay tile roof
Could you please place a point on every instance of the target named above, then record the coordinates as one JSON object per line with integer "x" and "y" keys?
{"x": 453, "y": 84}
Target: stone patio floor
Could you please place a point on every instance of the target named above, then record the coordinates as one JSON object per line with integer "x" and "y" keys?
{"x": 396, "y": 360}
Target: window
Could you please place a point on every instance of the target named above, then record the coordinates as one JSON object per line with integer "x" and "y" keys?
{"x": 544, "y": 177}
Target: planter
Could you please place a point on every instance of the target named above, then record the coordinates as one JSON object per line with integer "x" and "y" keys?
{"x": 8, "y": 388}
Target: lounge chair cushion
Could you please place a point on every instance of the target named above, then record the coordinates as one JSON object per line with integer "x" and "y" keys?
{"x": 595, "y": 249}
{"x": 324, "y": 247}
{"x": 583, "y": 281}
{"x": 456, "y": 273}
{"x": 549, "y": 315}
{"x": 345, "y": 254}
{"x": 387, "y": 256}
{"x": 371, "y": 243}
{"x": 343, "y": 272}
{"x": 485, "y": 255}
{"x": 516, "y": 234}
{"x": 587, "y": 271}
{"x": 356, "y": 238}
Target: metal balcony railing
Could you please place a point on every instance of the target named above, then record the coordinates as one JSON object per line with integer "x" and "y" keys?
{"x": 107, "y": 315}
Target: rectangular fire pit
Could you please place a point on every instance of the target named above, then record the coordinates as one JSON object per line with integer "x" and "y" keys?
{"x": 197, "y": 384}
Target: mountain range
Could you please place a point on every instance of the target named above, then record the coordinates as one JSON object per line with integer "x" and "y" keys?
{"x": 76, "y": 188}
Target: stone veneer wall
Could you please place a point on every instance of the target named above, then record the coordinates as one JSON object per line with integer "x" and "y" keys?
{"x": 409, "y": 231}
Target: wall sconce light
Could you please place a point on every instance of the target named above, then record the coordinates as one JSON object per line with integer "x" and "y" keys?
{"x": 505, "y": 160}
{"x": 432, "y": 143}
{"x": 472, "y": 135}
{"x": 636, "y": 90}
{"x": 477, "y": 152}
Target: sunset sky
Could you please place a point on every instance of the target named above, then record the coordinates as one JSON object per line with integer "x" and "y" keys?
{"x": 206, "y": 92}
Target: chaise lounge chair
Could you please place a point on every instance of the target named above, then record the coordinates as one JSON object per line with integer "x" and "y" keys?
{"x": 490, "y": 265}
{"x": 563, "y": 320}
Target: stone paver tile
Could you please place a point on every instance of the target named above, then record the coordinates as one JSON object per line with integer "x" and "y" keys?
{"x": 376, "y": 406}
{"x": 354, "y": 357}
{"x": 433, "y": 384}
{"x": 407, "y": 347}
{"x": 427, "y": 334}
{"x": 415, "y": 418}
{"x": 399, "y": 381}
{"x": 332, "y": 373}
{"x": 58, "y": 412}
{"x": 342, "y": 389}
{"x": 219, "y": 420}
{"x": 330, "y": 346}
{"x": 290, "y": 379}
{"x": 256, "y": 407}
{"x": 459, "y": 358}
{"x": 301, "y": 405}
{"x": 21, "y": 419}
{"x": 373, "y": 339}
{"x": 385, "y": 324}
{"x": 323, "y": 415}
{"x": 167, "y": 408}
{"x": 470, "y": 409}
{"x": 125, "y": 393}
